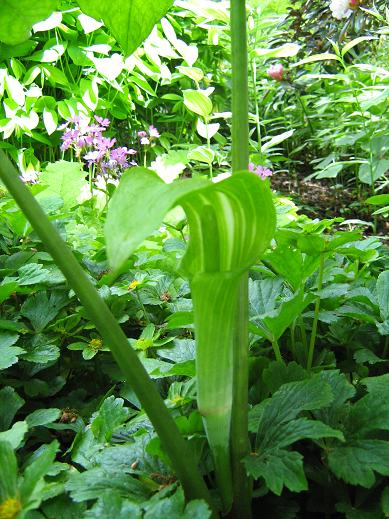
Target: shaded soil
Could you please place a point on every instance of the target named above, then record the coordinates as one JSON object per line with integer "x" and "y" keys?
{"x": 323, "y": 199}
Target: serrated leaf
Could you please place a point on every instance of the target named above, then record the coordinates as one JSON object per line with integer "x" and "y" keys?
{"x": 8, "y": 352}
{"x": 279, "y": 373}
{"x": 18, "y": 16}
{"x": 110, "y": 415}
{"x": 129, "y": 22}
{"x": 40, "y": 349}
{"x": 91, "y": 483}
{"x": 279, "y": 469}
{"x": 41, "y": 309}
{"x": 377, "y": 384}
{"x": 357, "y": 461}
{"x": 111, "y": 504}
{"x": 287, "y": 403}
{"x": 370, "y": 413}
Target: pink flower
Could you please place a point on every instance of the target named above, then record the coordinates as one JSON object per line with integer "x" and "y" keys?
{"x": 153, "y": 132}
{"x": 142, "y": 133}
{"x": 260, "y": 171}
{"x": 276, "y": 72}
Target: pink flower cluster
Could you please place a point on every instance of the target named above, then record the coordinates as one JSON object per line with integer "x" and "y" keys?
{"x": 261, "y": 171}
{"x": 147, "y": 137}
{"x": 88, "y": 141}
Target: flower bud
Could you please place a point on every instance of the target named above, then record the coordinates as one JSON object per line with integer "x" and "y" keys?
{"x": 276, "y": 72}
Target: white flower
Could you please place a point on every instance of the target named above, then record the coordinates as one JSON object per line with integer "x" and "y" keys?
{"x": 340, "y": 9}
{"x": 30, "y": 176}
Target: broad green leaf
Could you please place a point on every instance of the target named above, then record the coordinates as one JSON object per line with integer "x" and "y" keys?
{"x": 287, "y": 403}
{"x": 382, "y": 291}
{"x": 18, "y": 16}
{"x": 378, "y": 200}
{"x": 88, "y": 24}
{"x": 331, "y": 171}
{"x": 379, "y": 168}
{"x": 279, "y": 373}
{"x": 287, "y": 50}
{"x": 378, "y": 383}
{"x": 277, "y": 139}
{"x": 34, "y": 473}
{"x": 42, "y": 417}
{"x": 50, "y": 120}
{"x": 40, "y": 349}
{"x": 356, "y": 462}
{"x": 279, "y": 469}
{"x": 10, "y": 403}
{"x": 140, "y": 192}
{"x": 370, "y": 413}
{"x": 15, "y": 435}
{"x": 64, "y": 179}
{"x": 193, "y": 72}
{"x": 207, "y": 131}
{"x": 202, "y": 154}
{"x": 53, "y": 21}
{"x": 8, "y": 472}
{"x": 170, "y": 165}
{"x": 198, "y": 102}
{"x": 6, "y": 290}
{"x": 130, "y": 22}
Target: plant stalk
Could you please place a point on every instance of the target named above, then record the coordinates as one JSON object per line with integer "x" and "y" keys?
{"x": 174, "y": 444}
{"x": 316, "y": 314}
{"x": 240, "y": 157}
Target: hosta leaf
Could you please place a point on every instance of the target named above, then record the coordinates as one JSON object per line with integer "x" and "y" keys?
{"x": 357, "y": 461}
{"x": 18, "y": 16}
{"x": 279, "y": 468}
{"x": 130, "y": 22}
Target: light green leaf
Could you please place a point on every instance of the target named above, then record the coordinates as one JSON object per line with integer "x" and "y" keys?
{"x": 354, "y": 42}
{"x": 8, "y": 472}
{"x": 378, "y": 200}
{"x": 382, "y": 291}
{"x": 88, "y": 24}
{"x": 287, "y": 50}
{"x": 379, "y": 168}
{"x": 63, "y": 179}
{"x": 50, "y": 120}
{"x": 331, "y": 171}
{"x": 198, "y": 102}
{"x": 192, "y": 72}
{"x": 170, "y": 165}
{"x": 316, "y": 57}
{"x": 53, "y": 21}
{"x": 18, "y": 16}
{"x": 202, "y": 154}
{"x": 130, "y": 22}
{"x": 357, "y": 461}
{"x": 277, "y": 139}
{"x": 207, "y": 131}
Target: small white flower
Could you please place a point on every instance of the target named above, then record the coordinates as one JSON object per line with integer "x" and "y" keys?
{"x": 340, "y": 9}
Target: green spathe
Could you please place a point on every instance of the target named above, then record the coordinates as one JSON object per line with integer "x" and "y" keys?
{"x": 231, "y": 224}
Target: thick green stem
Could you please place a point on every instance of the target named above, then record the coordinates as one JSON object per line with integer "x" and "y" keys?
{"x": 316, "y": 314}
{"x": 176, "y": 447}
{"x": 276, "y": 350}
{"x": 240, "y": 158}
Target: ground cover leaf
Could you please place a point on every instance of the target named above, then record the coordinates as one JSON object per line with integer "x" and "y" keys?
{"x": 10, "y": 403}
